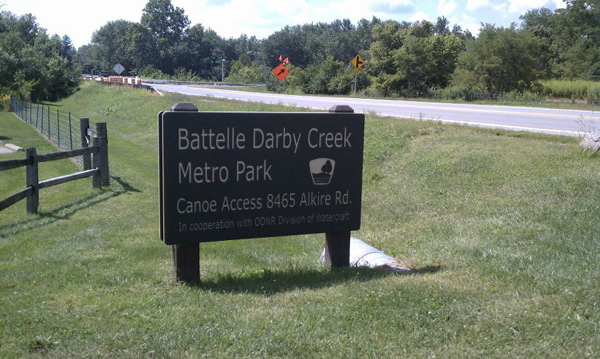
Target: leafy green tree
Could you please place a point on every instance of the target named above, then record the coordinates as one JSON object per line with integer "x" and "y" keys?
{"x": 411, "y": 59}
{"x": 168, "y": 25}
{"x": 330, "y": 78}
{"x": 582, "y": 60}
{"x": 570, "y": 39}
{"x": 387, "y": 37}
{"x": 246, "y": 71}
{"x": 442, "y": 26}
{"x": 166, "y": 22}
{"x": 501, "y": 60}
{"x": 32, "y": 65}
{"x": 137, "y": 49}
{"x": 107, "y": 48}
{"x": 542, "y": 23}
{"x": 579, "y": 26}
{"x": 289, "y": 42}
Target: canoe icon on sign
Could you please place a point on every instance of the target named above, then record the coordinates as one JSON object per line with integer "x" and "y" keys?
{"x": 321, "y": 170}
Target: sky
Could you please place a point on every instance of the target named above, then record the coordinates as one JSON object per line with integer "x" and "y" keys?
{"x": 232, "y": 18}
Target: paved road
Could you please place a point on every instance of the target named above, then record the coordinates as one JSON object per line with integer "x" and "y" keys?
{"x": 551, "y": 121}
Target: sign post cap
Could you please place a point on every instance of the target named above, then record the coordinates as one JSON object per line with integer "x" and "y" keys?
{"x": 184, "y": 106}
{"x": 341, "y": 109}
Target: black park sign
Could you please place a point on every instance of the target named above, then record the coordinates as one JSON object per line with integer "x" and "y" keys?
{"x": 234, "y": 175}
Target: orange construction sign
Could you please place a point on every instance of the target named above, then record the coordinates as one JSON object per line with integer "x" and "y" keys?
{"x": 281, "y": 71}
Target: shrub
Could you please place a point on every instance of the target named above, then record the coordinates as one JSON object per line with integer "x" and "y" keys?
{"x": 462, "y": 92}
{"x": 329, "y": 78}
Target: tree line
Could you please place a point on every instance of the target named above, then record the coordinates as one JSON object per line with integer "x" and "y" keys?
{"x": 412, "y": 59}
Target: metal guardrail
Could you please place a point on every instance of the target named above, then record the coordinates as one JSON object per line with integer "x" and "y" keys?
{"x": 177, "y": 82}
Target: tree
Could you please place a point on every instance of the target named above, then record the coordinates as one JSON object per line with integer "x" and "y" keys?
{"x": 386, "y": 39}
{"x": 579, "y": 23}
{"x": 411, "y": 59}
{"x": 164, "y": 21}
{"x": 167, "y": 24}
{"x": 107, "y": 46}
{"x": 138, "y": 49}
{"x": 542, "y": 23}
{"x": 499, "y": 61}
{"x": 442, "y": 26}
{"x": 329, "y": 78}
{"x": 291, "y": 42}
{"x": 570, "y": 39}
{"x": 33, "y": 65}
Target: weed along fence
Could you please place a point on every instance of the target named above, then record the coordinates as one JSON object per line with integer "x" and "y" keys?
{"x": 94, "y": 158}
{"x": 236, "y": 175}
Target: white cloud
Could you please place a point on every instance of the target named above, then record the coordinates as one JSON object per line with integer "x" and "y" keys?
{"x": 473, "y": 5}
{"x": 469, "y": 23}
{"x": 398, "y": 2}
{"x": 521, "y": 6}
{"x": 419, "y": 16}
{"x": 63, "y": 17}
{"x": 559, "y": 4}
{"x": 236, "y": 17}
{"x": 446, "y": 7}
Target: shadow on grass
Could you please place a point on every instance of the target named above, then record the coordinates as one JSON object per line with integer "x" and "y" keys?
{"x": 43, "y": 218}
{"x": 126, "y": 187}
{"x": 270, "y": 282}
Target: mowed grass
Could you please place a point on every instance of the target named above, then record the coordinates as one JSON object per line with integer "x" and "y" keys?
{"x": 501, "y": 229}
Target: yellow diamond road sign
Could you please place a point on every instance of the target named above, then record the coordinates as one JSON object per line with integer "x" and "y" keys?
{"x": 358, "y": 62}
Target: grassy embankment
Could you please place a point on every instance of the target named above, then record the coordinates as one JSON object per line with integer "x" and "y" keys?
{"x": 503, "y": 226}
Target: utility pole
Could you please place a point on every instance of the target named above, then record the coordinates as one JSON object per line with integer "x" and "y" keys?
{"x": 222, "y": 70}
{"x": 222, "y": 61}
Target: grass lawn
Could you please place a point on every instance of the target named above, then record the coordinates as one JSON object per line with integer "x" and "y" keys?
{"x": 502, "y": 229}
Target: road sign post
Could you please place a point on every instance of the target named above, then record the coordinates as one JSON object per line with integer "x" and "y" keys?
{"x": 222, "y": 62}
{"x": 357, "y": 62}
{"x": 337, "y": 244}
{"x": 186, "y": 256}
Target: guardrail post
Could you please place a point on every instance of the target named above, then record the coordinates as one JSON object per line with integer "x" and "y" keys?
{"x": 101, "y": 178}
{"x": 337, "y": 244}
{"x": 84, "y": 124}
{"x": 33, "y": 200}
{"x": 186, "y": 257}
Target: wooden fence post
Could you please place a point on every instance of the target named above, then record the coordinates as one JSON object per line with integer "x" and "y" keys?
{"x": 186, "y": 257}
{"x": 101, "y": 178}
{"x": 84, "y": 124}
{"x": 337, "y": 244}
{"x": 33, "y": 199}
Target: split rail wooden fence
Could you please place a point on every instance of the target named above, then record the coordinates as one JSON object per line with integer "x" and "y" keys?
{"x": 94, "y": 158}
